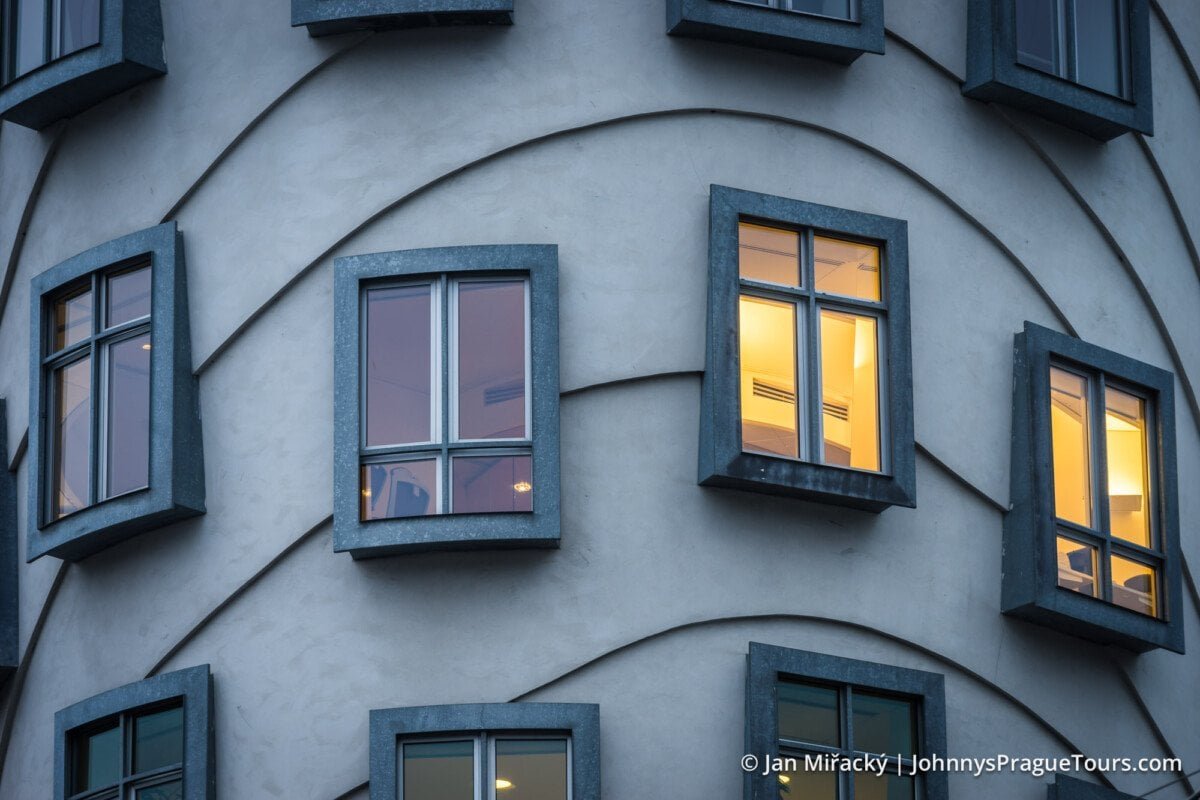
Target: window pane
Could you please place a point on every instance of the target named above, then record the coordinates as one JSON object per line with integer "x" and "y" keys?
{"x": 1134, "y": 586}
{"x": 129, "y": 415}
{"x": 438, "y": 771}
{"x": 868, "y": 786}
{"x": 1039, "y": 37}
{"x": 800, "y": 785}
{"x": 531, "y": 770}
{"x": 768, "y": 254}
{"x": 162, "y": 791}
{"x": 72, "y": 319}
{"x": 128, "y": 296}
{"x": 826, "y": 8}
{"x": 1098, "y": 45}
{"x": 97, "y": 760}
{"x": 158, "y": 740}
{"x": 1077, "y": 567}
{"x": 767, "y": 343}
{"x": 1070, "y": 441}
{"x": 72, "y": 437}
{"x": 846, "y": 268}
{"x": 491, "y": 360}
{"x": 883, "y": 725}
{"x": 399, "y": 489}
{"x": 808, "y": 713}
{"x": 31, "y": 35}
{"x": 1128, "y": 485}
{"x": 850, "y": 390}
{"x": 80, "y": 24}
{"x": 492, "y": 484}
{"x": 399, "y": 356}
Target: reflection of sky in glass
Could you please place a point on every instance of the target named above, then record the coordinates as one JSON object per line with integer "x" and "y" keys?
{"x": 438, "y": 771}
{"x": 72, "y": 436}
{"x": 399, "y": 489}
{"x": 491, "y": 360}
{"x": 398, "y": 368}
{"x": 129, "y": 415}
{"x": 492, "y": 484}
{"x": 128, "y": 296}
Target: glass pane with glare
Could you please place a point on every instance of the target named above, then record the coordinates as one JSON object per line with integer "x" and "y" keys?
{"x": 825, "y": 8}
{"x": 808, "y": 713}
{"x": 1098, "y": 45}
{"x": 97, "y": 760}
{"x": 802, "y": 785}
{"x": 72, "y": 319}
{"x": 485, "y": 484}
{"x": 1134, "y": 586}
{"x": 869, "y": 786}
{"x": 399, "y": 353}
{"x": 532, "y": 769}
{"x": 1128, "y": 475}
{"x": 768, "y": 254}
{"x": 884, "y": 725}
{"x": 1069, "y": 429}
{"x": 850, "y": 390}
{"x": 128, "y": 297}
{"x": 491, "y": 360}
{"x": 1077, "y": 567}
{"x": 172, "y": 790}
{"x": 158, "y": 740}
{"x": 438, "y": 771}
{"x": 128, "y": 442}
{"x": 1039, "y": 35}
{"x": 80, "y": 25}
{"x": 767, "y": 346}
{"x": 846, "y": 268}
{"x": 30, "y": 35}
{"x": 399, "y": 489}
{"x": 72, "y": 437}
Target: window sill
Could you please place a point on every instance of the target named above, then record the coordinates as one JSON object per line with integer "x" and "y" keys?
{"x": 326, "y": 17}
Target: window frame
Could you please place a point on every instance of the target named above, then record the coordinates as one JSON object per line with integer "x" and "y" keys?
{"x": 769, "y": 664}
{"x": 1067, "y": 788}
{"x": 831, "y": 38}
{"x": 192, "y": 687}
{"x": 995, "y": 74}
{"x": 578, "y": 722}
{"x": 722, "y": 462}
{"x": 353, "y": 275}
{"x": 176, "y": 462}
{"x": 1030, "y": 585}
{"x": 325, "y": 17}
{"x": 130, "y": 52}
{"x": 9, "y": 597}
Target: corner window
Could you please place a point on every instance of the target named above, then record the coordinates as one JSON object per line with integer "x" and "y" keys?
{"x": 453, "y": 397}
{"x": 539, "y": 751}
{"x": 818, "y": 710}
{"x": 1101, "y": 509}
{"x": 111, "y": 334}
{"x": 812, "y": 395}
{"x": 60, "y": 57}
{"x": 836, "y": 30}
{"x": 1082, "y": 63}
{"x": 324, "y": 17}
{"x": 9, "y": 621}
{"x": 146, "y": 741}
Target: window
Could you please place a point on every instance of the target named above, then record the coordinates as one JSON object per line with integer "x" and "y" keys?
{"x": 1094, "y": 508}
{"x": 61, "y": 57}
{"x": 536, "y": 751}
{"x": 447, "y": 399}
{"x": 1068, "y": 788}
{"x": 813, "y": 395}
{"x": 836, "y": 30}
{"x": 111, "y": 333}
{"x": 324, "y": 17}
{"x": 9, "y": 622}
{"x": 151, "y": 740}
{"x": 807, "y": 705}
{"x": 1082, "y": 63}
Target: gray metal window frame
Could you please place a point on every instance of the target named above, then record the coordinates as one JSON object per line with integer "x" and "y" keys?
{"x": 10, "y": 31}
{"x": 129, "y": 781}
{"x": 787, "y": 5}
{"x": 484, "y": 754}
{"x": 1067, "y": 45}
{"x": 1030, "y": 589}
{"x": 326, "y": 17}
{"x": 1067, "y": 788}
{"x": 9, "y": 596}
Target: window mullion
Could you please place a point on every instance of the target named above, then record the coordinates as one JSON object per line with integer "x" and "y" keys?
{"x": 97, "y": 393}
{"x": 445, "y": 358}
{"x": 812, "y": 354}
{"x": 1100, "y": 471}
{"x": 1068, "y": 38}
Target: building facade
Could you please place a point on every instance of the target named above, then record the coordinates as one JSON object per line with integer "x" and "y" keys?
{"x": 638, "y": 545}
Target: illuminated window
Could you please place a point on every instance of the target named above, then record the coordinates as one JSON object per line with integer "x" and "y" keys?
{"x": 454, "y": 414}
{"x": 1107, "y": 514}
{"x": 814, "y": 708}
{"x": 821, "y": 361}
{"x": 522, "y": 751}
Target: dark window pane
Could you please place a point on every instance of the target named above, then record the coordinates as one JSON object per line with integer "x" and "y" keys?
{"x": 808, "y": 713}
{"x": 1039, "y": 37}
{"x": 31, "y": 35}
{"x": 72, "y": 437}
{"x": 73, "y": 319}
{"x": 129, "y": 415}
{"x": 801, "y": 785}
{"x": 492, "y": 483}
{"x": 162, "y": 791}
{"x": 80, "y": 24}
{"x": 531, "y": 769}
{"x": 1098, "y": 45}
{"x": 438, "y": 771}
{"x": 491, "y": 360}
{"x": 128, "y": 296}
{"x": 399, "y": 353}
{"x": 883, "y": 724}
{"x": 158, "y": 740}
{"x": 868, "y": 786}
{"x": 399, "y": 489}
{"x": 97, "y": 760}
{"x": 826, "y": 8}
